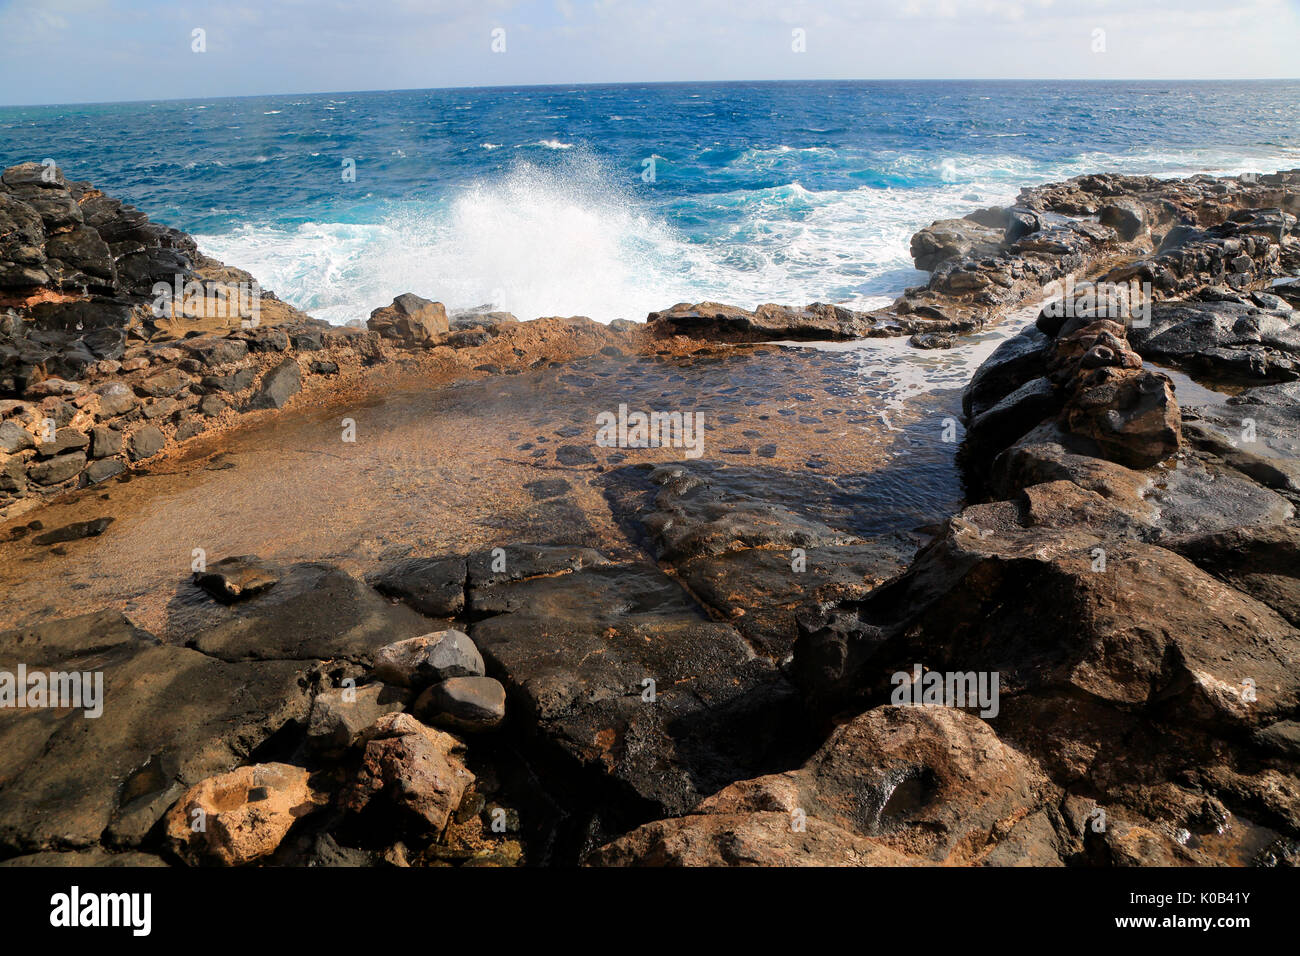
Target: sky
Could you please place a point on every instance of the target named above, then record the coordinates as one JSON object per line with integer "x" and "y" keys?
{"x": 69, "y": 51}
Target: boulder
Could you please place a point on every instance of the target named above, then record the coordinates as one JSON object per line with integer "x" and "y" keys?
{"x": 463, "y": 703}
{"x": 411, "y": 320}
{"x": 278, "y": 386}
{"x": 954, "y": 239}
{"x": 1126, "y": 216}
{"x": 105, "y": 442}
{"x": 428, "y": 659}
{"x": 145, "y": 443}
{"x": 411, "y": 776}
{"x": 14, "y": 438}
{"x": 339, "y": 716}
{"x": 56, "y": 470}
{"x": 239, "y": 816}
{"x": 115, "y": 399}
{"x": 1131, "y": 415}
{"x": 894, "y": 786}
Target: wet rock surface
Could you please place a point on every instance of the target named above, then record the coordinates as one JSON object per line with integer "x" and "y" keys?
{"x": 461, "y": 629}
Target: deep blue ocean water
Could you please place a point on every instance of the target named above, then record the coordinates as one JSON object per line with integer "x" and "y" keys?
{"x": 540, "y": 200}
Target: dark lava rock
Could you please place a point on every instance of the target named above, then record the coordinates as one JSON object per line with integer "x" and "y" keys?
{"x": 703, "y": 510}
{"x": 894, "y": 786}
{"x": 1126, "y": 216}
{"x": 235, "y": 381}
{"x": 1000, "y": 424}
{"x": 14, "y": 438}
{"x": 171, "y": 718}
{"x": 98, "y": 471}
{"x": 428, "y": 659}
{"x": 65, "y": 439}
{"x": 145, "y": 443}
{"x": 74, "y": 532}
{"x": 220, "y": 351}
{"x": 105, "y": 442}
{"x": 1151, "y": 647}
{"x": 1262, "y": 561}
{"x": 625, "y": 675}
{"x": 1012, "y": 364}
{"x": 1227, "y": 337}
{"x": 433, "y": 586}
{"x": 58, "y": 469}
{"x": 339, "y": 716}
{"x": 278, "y": 386}
{"x": 760, "y": 591}
{"x": 485, "y": 570}
{"x": 463, "y": 703}
{"x": 714, "y": 321}
{"x": 954, "y": 239}
{"x": 315, "y": 612}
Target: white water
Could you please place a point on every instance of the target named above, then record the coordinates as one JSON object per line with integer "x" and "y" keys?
{"x": 569, "y": 240}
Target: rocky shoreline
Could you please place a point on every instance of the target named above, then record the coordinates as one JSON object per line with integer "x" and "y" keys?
{"x": 620, "y": 657}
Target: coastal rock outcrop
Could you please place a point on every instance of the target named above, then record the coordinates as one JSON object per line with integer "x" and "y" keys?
{"x": 410, "y": 320}
{"x": 895, "y": 786}
{"x": 657, "y": 660}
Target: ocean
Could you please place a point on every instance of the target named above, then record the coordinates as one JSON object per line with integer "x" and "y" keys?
{"x": 612, "y": 201}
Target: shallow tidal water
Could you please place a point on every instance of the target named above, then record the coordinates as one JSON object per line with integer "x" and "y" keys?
{"x": 865, "y": 430}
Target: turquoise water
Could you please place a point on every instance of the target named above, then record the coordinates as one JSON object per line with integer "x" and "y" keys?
{"x": 611, "y": 201}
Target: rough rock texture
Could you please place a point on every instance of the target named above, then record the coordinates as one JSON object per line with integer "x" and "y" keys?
{"x": 340, "y": 716}
{"x": 697, "y": 664}
{"x": 894, "y": 786}
{"x": 575, "y": 651}
{"x": 1177, "y": 235}
{"x": 428, "y": 659}
{"x": 240, "y": 816}
{"x": 767, "y": 322}
{"x": 433, "y": 586}
{"x": 954, "y": 239}
{"x": 171, "y": 718}
{"x": 315, "y": 612}
{"x": 237, "y": 578}
{"x": 463, "y": 703}
{"x": 1127, "y": 569}
{"x": 409, "y": 770}
{"x": 410, "y": 319}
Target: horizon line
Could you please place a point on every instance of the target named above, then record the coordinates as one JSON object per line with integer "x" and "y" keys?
{"x": 616, "y": 83}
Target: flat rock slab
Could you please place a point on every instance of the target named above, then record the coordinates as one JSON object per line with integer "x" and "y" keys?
{"x": 171, "y": 717}
{"x": 576, "y": 651}
{"x": 237, "y": 578}
{"x": 1199, "y": 498}
{"x": 433, "y": 586}
{"x": 315, "y": 612}
{"x": 759, "y": 590}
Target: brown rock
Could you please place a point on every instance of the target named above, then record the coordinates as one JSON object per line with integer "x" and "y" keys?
{"x": 410, "y": 320}
{"x": 240, "y": 816}
{"x": 1133, "y": 416}
{"x": 895, "y": 786}
{"x": 410, "y": 768}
